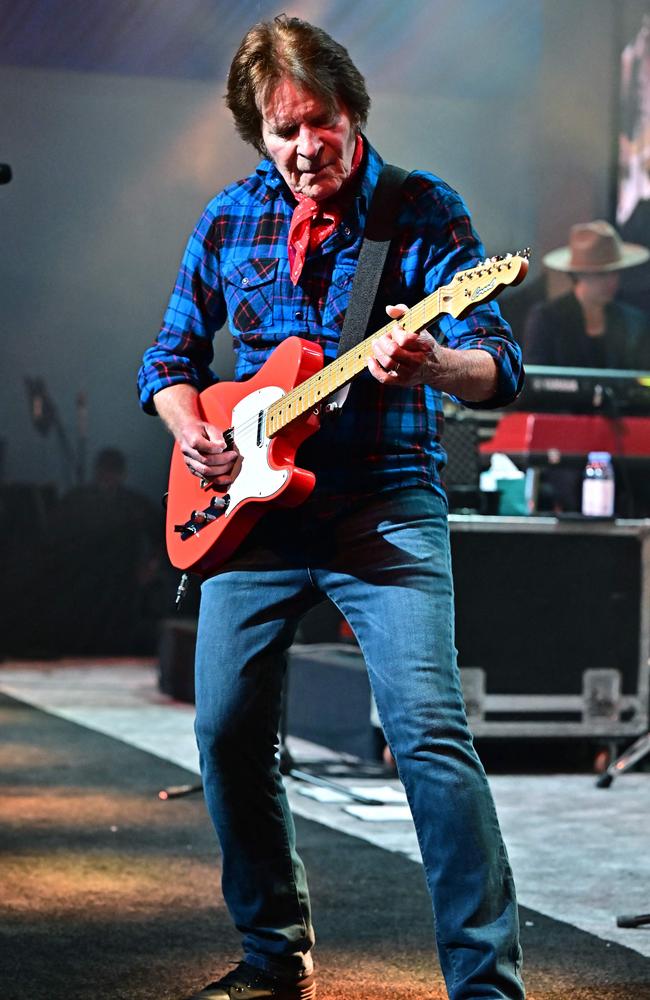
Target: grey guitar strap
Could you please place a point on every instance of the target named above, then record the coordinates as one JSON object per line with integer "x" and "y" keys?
{"x": 380, "y": 229}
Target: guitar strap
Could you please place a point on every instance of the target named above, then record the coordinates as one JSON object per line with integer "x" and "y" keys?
{"x": 372, "y": 256}
{"x": 378, "y": 234}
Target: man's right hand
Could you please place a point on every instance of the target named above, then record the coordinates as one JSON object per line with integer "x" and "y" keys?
{"x": 206, "y": 453}
{"x": 203, "y": 446}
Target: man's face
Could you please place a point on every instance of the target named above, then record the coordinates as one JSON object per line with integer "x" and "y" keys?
{"x": 311, "y": 145}
{"x": 600, "y": 289}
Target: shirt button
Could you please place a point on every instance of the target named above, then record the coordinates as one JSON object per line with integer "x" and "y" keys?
{"x": 346, "y": 230}
{"x": 299, "y": 314}
{"x": 244, "y": 281}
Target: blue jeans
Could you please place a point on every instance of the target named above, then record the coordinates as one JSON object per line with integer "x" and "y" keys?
{"x": 385, "y": 563}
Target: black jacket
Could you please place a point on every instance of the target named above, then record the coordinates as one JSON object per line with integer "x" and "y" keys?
{"x": 555, "y": 335}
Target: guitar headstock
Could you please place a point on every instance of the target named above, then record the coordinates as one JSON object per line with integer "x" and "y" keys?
{"x": 483, "y": 282}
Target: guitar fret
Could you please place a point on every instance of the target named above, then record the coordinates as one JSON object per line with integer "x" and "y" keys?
{"x": 465, "y": 289}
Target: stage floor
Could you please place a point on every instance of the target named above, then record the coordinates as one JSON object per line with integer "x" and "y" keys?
{"x": 579, "y": 853}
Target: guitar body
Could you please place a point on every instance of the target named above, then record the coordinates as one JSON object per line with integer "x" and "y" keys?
{"x": 267, "y": 475}
{"x": 267, "y": 421}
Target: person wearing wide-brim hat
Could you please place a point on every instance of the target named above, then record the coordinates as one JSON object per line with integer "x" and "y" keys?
{"x": 587, "y": 328}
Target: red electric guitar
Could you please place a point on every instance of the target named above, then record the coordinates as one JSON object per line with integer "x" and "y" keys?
{"x": 272, "y": 413}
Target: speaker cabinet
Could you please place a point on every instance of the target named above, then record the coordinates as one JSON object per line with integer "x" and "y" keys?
{"x": 541, "y": 604}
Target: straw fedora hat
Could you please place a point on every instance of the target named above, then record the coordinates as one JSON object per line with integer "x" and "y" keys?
{"x": 595, "y": 247}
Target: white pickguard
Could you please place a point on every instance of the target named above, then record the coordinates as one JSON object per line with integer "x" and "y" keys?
{"x": 256, "y": 479}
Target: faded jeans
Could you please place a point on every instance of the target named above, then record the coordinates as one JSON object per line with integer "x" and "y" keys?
{"x": 385, "y": 563}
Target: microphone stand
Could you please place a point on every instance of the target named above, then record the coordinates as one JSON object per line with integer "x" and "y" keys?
{"x": 82, "y": 437}
{"x": 45, "y": 416}
{"x": 287, "y": 767}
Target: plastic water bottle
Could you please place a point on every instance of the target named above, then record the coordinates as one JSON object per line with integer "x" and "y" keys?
{"x": 598, "y": 485}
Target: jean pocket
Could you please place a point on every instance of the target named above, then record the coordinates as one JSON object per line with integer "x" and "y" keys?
{"x": 249, "y": 287}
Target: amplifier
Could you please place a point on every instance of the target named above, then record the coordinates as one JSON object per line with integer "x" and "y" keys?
{"x": 555, "y": 614}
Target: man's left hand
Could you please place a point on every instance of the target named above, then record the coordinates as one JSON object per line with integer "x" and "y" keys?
{"x": 403, "y": 358}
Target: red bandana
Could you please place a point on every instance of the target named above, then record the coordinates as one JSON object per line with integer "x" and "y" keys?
{"x": 312, "y": 222}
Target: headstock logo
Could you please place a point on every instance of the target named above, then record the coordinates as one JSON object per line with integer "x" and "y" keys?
{"x": 483, "y": 290}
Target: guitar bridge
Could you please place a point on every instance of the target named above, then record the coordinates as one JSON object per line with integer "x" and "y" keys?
{"x": 199, "y": 518}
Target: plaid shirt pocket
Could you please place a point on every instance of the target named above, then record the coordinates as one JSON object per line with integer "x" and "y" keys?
{"x": 249, "y": 292}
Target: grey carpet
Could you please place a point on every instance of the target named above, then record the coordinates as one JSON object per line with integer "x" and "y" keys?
{"x": 109, "y": 893}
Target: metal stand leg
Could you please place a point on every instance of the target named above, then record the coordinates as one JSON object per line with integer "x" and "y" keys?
{"x": 288, "y": 764}
{"x": 626, "y": 920}
{"x": 627, "y": 759}
{"x": 634, "y": 753}
{"x": 287, "y": 767}
{"x": 177, "y": 791}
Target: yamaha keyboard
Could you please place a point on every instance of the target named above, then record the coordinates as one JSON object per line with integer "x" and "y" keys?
{"x": 611, "y": 391}
{"x": 571, "y": 411}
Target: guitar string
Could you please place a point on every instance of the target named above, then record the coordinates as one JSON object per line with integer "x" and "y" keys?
{"x": 416, "y": 312}
{"x": 294, "y": 395}
{"x": 416, "y": 318}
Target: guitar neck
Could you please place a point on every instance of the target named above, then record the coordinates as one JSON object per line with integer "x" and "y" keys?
{"x": 338, "y": 373}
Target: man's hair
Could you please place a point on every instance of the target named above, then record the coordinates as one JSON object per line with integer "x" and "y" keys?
{"x": 289, "y": 48}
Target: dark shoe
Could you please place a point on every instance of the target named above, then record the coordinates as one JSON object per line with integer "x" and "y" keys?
{"x": 248, "y": 983}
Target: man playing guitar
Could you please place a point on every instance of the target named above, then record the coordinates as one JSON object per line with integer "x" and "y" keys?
{"x": 272, "y": 257}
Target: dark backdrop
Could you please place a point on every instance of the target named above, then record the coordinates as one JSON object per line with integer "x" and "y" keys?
{"x": 113, "y": 121}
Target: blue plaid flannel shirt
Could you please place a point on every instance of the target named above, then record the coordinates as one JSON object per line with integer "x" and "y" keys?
{"x": 235, "y": 271}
